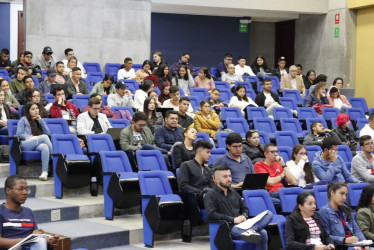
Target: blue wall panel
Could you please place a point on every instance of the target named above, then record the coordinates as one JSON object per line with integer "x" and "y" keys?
{"x": 4, "y": 25}
{"x": 207, "y": 38}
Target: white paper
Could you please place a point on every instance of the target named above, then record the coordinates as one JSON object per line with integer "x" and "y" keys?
{"x": 29, "y": 239}
{"x": 363, "y": 243}
{"x": 250, "y": 222}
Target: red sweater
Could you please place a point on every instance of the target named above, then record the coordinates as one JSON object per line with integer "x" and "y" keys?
{"x": 275, "y": 170}
{"x": 70, "y": 108}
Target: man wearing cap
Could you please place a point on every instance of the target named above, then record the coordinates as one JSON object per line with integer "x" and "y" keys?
{"x": 45, "y": 86}
{"x": 46, "y": 60}
{"x": 122, "y": 97}
{"x": 75, "y": 84}
{"x": 293, "y": 81}
{"x": 281, "y": 70}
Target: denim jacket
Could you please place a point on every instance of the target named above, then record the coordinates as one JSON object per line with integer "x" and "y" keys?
{"x": 334, "y": 225}
{"x": 24, "y": 129}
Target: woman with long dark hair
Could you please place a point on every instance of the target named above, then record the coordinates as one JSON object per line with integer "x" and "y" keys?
{"x": 309, "y": 79}
{"x": 305, "y": 228}
{"x": 165, "y": 92}
{"x": 34, "y": 95}
{"x": 142, "y": 93}
{"x": 252, "y": 146}
{"x": 164, "y": 74}
{"x": 33, "y": 132}
{"x": 365, "y": 212}
{"x": 145, "y": 71}
{"x": 259, "y": 66}
{"x": 183, "y": 80}
{"x": 240, "y": 99}
{"x": 104, "y": 87}
{"x": 184, "y": 151}
{"x": 155, "y": 119}
{"x": 204, "y": 80}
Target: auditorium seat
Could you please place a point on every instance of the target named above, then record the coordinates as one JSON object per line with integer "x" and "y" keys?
{"x": 91, "y": 67}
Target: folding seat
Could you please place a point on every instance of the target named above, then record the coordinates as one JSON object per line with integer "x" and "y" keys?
{"x": 329, "y": 113}
{"x": 288, "y": 198}
{"x": 131, "y": 83}
{"x": 303, "y": 113}
{"x": 195, "y": 102}
{"x": 15, "y": 153}
{"x": 356, "y": 113}
{"x": 44, "y": 74}
{"x": 275, "y": 82}
{"x": 282, "y": 232}
{"x": 259, "y": 201}
{"x": 221, "y": 139}
{"x": 361, "y": 123}
{"x": 4, "y": 72}
{"x": 238, "y": 125}
{"x": 95, "y": 77}
{"x": 286, "y": 138}
{"x": 116, "y": 108}
{"x": 225, "y": 95}
{"x": 197, "y": 69}
{"x": 182, "y": 94}
{"x": 288, "y": 102}
{"x": 112, "y": 69}
{"x": 201, "y": 93}
{"x": 57, "y": 126}
{"x": 97, "y": 143}
{"x": 281, "y": 113}
{"x": 230, "y": 112}
{"x": 320, "y": 193}
{"x": 250, "y": 93}
{"x": 265, "y": 124}
{"x": 252, "y": 79}
{"x": 120, "y": 183}
{"x": 151, "y": 160}
{"x": 309, "y": 122}
{"x": 157, "y": 90}
{"x": 35, "y": 80}
{"x": 137, "y": 66}
{"x": 292, "y": 124}
{"x": 312, "y": 150}
{"x": 215, "y": 153}
{"x": 354, "y": 191}
{"x": 49, "y": 98}
{"x": 213, "y": 71}
{"x": 247, "y": 85}
{"x": 71, "y": 168}
{"x": 88, "y": 84}
{"x": 81, "y": 101}
{"x": 20, "y": 113}
{"x": 254, "y": 112}
{"x": 162, "y": 210}
{"x": 264, "y": 138}
{"x": 285, "y": 152}
{"x": 119, "y": 123}
{"x": 359, "y": 102}
{"x": 7, "y": 78}
{"x": 345, "y": 152}
{"x": 293, "y": 93}
{"x": 202, "y": 136}
{"x": 222, "y": 85}
{"x": 91, "y": 67}
{"x": 104, "y": 100}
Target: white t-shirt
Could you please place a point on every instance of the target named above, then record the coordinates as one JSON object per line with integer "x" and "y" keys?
{"x": 367, "y": 130}
{"x": 242, "y": 104}
{"x": 138, "y": 139}
{"x": 338, "y": 103}
{"x": 293, "y": 81}
{"x": 167, "y": 104}
{"x": 283, "y": 72}
{"x": 269, "y": 99}
{"x": 241, "y": 70}
{"x": 298, "y": 172}
{"x": 123, "y": 74}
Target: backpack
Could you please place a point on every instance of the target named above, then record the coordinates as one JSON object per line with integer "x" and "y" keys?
{"x": 124, "y": 114}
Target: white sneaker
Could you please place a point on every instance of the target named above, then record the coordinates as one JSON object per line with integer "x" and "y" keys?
{"x": 44, "y": 176}
{"x": 251, "y": 236}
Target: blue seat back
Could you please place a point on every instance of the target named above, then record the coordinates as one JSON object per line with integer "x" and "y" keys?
{"x": 154, "y": 183}
{"x": 281, "y": 113}
{"x": 225, "y": 95}
{"x": 238, "y": 125}
{"x": 334, "y": 125}
{"x": 116, "y": 108}
{"x": 356, "y": 113}
{"x": 286, "y": 138}
{"x": 222, "y": 85}
{"x": 354, "y": 191}
{"x": 150, "y": 160}
{"x": 100, "y": 142}
{"x": 288, "y": 102}
{"x": 137, "y": 66}
{"x": 81, "y": 101}
{"x": 91, "y": 67}
{"x": 202, "y": 136}
{"x": 201, "y": 93}
{"x": 104, "y": 100}
{"x": 288, "y": 198}
{"x": 66, "y": 144}
{"x": 195, "y": 102}
{"x": 131, "y": 83}
{"x": 304, "y": 113}
{"x": 254, "y": 112}
{"x": 285, "y": 152}
{"x": 49, "y": 98}
{"x": 329, "y": 113}
{"x": 359, "y": 102}
{"x": 112, "y": 68}
{"x": 230, "y": 112}
{"x": 213, "y": 71}
{"x": 264, "y": 137}
{"x": 115, "y": 161}
{"x": 274, "y": 80}
{"x": 293, "y": 93}
{"x": 265, "y": 124}
{"x": 258, "y": 201}
{"x": 247, "y": 85}
{"x": 119, "y": 123}
{"x": 291, "y": 124}
{"x": 361, "y": 123}
{"x": 57, "y": 126}
{"x": 4, "y": 72}
{"x": 251, "y": 94}
{"x": 309, "y": 122}
{"x": 12, "y": 127}
{"x": 221, "y": 139}
{"x": 320, "y": 192}
{"x": 35, "y": 80}
{"x": 215, "y": 153}
{"x": 95, "y": 76}
{"x": 312, "y": 150}
{"x": 345, "y": 152}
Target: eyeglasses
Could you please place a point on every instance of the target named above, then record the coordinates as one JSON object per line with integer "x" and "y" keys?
{"x": 27, "y": 190}
{"x": 28, "y": 56}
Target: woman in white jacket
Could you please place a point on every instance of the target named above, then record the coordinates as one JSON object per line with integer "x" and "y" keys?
{"x": 241, "y": 100}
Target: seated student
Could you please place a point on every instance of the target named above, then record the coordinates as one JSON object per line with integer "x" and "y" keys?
{"x": 185, "y": 120}
{"x": 145, "y": 71}
{"x": 34, "y": 132}
{"x": 75, "y": 84}
{"x": 45, "y": 86}
{"x": 10, "y": 100}
{"x": 293, "y": 81}
{"x": 142, "y": 93}
{"x": 309, "y": 79}
{"x": 31, "y": 69}
{"x": 242, "y": 69}
{"x": 240, "y": 99}
{"x": 207, "y": 120}
{"x": 162, "y": 75}
{"x": 46, "y": 60}
{"x": 184, "y": 61}
{"x": 157, "y": 60}
{"x": 33, "y": 95}
{"x": 185, "y": 151}
{"x": 321, "y": 78}
{"x": 204, "y": 80}
{"x": 170, "y": 133}
{"x": 235, "y": 160}
{"x": 305, "y": 228}
{"x": 339, "y": 83}
{"x": 165, "y": 92}
{"x": 368, "y": 129}
{"x": 221, "y": 68}
{"x": 318, "y": 96}
{"x": 260, "y": 68}
{"x": 154, "y": 119}
{"x": 5, "y": 114}
{"x": 17, "y": 61}
{"x": 317, "y": 134}
{"x": 299, "y": 68}
{"x": 104, "y": 87}
{"x": 281, "y": 70}
{"x": 103, "y": 109}
{"x": 71, "y": 64}
{"x": 16, "y": 84}
{"x": 183, "y": 80}
{"x": 328, "y": 165}
{"x": 215, "y": 102}
{"x": 231, "y": 77}
{"x": 153, "y": 94}
{"x": 60, "y": 77}
{"x": 338, "y": 218}
{"x": 173, "y": 102}
{"x": 92, "y": 121}
{"x": 362, "y": 167}
{"x": 252, "y": 147}
{"x": 365, "y": 212}
{"x": 337, "y": 100}
{"x": 5, "y": 61}
{"x": 300, "y": 167}
{"x": 126, "y": 71}
{"x": 277, "y": 169}
{"x": 29, "y": 85}
{"x": 13, "y": 215}
{"x": 346, "y": 135}
{"x": 122, "y": 97}
{"x": 224, "y": 203}
{"x": 69, "y": 52}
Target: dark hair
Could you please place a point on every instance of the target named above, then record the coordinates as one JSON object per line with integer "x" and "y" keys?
{"x": 139, "y": 116}
{"x": 206, "y": 72}
{"x": 94, "y": 95}
{"x": 93, "y": 100}
{"x": 267, "y": 146}
{"x": 333, "y": 187}
{"x": 170, "y": 112}
{"x": 159, "y": 53}
{"x": 215, "y": 89}
{"x": 201, "y": 103}
{"x": 228, "y": 55}
{"x": 309, "y": 72}
{"x": 67, "y": 51}
{"x": 371, "y": 117}
{"x": 266, "y": 80}
{"x": 42, "y": 111}
{"x": 299, "y": 66}
{"x": 57, "y": 89}
{"x": 361, "y": 140}
{"x": 185, "y": 131}
{"x": 108, "y": 77}
{"x": 337, "y": 79}
{"x": 27, "y": 77}
{"x": 220, "y": 168}
{"x": 173, "y": 89}
{"x": 22, "y": 68}
{"x": 146, "y": 110}
{"x": 150, "y": 92}
{"x": 366, "y": 196}
{"x": 9, "y": 182}
{"x": 241, "y": 86}
{"x": 314, "y": 124}
{"x": 250, "y": 133}
{"x": 58, "y": 63}
{"x": 202, "y": 144}
{"x": 300, "y": 200}
{"x": 321, "y": 78}
{"x": 127, "y": 59}
{"x": 184, "y": 98}
{"x": 27, "y": 53}
{"x": 329, "y": 141}
{"x": 333, "y": 90}
{"x": 185, "y": 53}
{"x": 75, "y": 69}
{"x": 160, "y": 72}
{"x": 185, "y": 77}
{"x": 242, "y": 57}
{"x": 5, "y": 51}
{"x": 3, "y": 80}
{"x": 149, "y": 63}
{"x": 30, "y": 93}
{"x": 146, "y": 85}
{"x": 264, "y": 65}
{"x": 233, "y": 138}
{"x": 308, "y": 170}
{"x": 36, "y": 128}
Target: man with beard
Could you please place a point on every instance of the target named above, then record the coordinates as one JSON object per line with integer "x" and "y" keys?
{"x": 316, "y": 136}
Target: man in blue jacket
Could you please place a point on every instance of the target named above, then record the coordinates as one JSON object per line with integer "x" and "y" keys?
{"x": 170, "y": 133}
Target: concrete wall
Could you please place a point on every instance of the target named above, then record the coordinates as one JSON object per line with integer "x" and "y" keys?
{"x": 98, "y": 30}
{"x": 262, "y": 41}
{"x": 317, "y": 48}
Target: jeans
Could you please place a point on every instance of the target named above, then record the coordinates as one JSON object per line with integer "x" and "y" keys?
{"x": 40, "y": 245}
{"x": 42, "y": 144}
{"x": 4, "y": 131}
{"x": 259, "y": 226}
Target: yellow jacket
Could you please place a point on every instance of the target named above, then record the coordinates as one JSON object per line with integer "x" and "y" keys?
{"x": 209, "y": 126}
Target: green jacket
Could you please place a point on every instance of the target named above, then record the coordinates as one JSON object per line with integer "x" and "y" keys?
{"x": 365, "y": 221}
{"x": 127, "y": 139}
{"x": 99, "y": 89}
{"x": 71, "y": 88}
{"x": 16, "y": 86}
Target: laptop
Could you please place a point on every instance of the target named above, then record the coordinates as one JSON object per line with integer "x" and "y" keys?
{"x": 349, "y": 92}
{"x": 255, "y": 181}
{"x": 163, "y": 110}
{"x": 115, "y": 133}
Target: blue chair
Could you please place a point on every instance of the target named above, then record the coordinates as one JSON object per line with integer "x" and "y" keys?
{"x": 35, "y": 80}
{"x": 151, "y": 160}
{"x": 222, "y": 85}
{"x": 157, "y": 90}
{"x": 345, "y": 152}
{"x": 49, "y": 98}
{"x": 285, "y": 152}
{"x": 120, "y": 183}
{"x": 355, "y": 190}
{"x": 71, "y": 168}
{"x": 359, "y": 102}
{"x": 221, "y": 139}
{"x": 116, "y": 108}
{"x": 356, "y": 113}
{"x": 288, "y": 198}
{"x": 97, "y": 143}
{"x": 293, "y": 93}
{"x": 161, "y": 209}
{"x": 320, "y": 192}
{"x": 312, "y": 150}
{"x": 215, "y": 153}
{"x": 20, "y": 109}
{"x": 15, "y": 153}
{"x": 264, "y": 138}
{"x": 265, "y": 124}
{"x": 104, "y": 100}
{"x": 131, "y": 83}
{"x": 230, "y": 112}
{"x": 238, "y": 125}
{"x": 309, "y": 122}
{"x": 81, "y": 101}
{"x": 247, "y": 85}
{"x": 282, "y": 232}
{"x": 119, "y": 123}
{"x": 225, "y": 95}
{"x": 213, "y": 71}
{"x": 182, "y": 94}
{"x": 259, "y": 201}
{"x": 88, "y": 84}
{"x": 304, "y": 113}
{"x": 361, "y": 123}
{"x": 137, "y": 66}
{"x": 112, "y": 69}
{"x": 201, "y": 93}
{"x": 274, "y": 80}
{"x": 292, "y": 124}
{"x": 91, "y": 67}
{"x": 286, "y": 138}
{"x": 57, "y": 126}
{"x": 288, "y": 102}
{"x": 95, "y": 76}
{"x": 7, "y": 78}
{"x": 282, "y": 113}
{"x": 329, "y": 113}
{"x": 195, "y": 102}
{"x": 202, "y": 136}
{"x": 254, "y": 112}
{"x": 4, "y": 72}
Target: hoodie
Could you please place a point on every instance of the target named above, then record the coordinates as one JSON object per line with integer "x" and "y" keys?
{"x": 361, "y": 167}
{"x": 342, "y": 97}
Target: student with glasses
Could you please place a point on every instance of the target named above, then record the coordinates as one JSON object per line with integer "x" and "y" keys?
{"x": 362, "y": 166}
{"x": 34, "y": 95}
